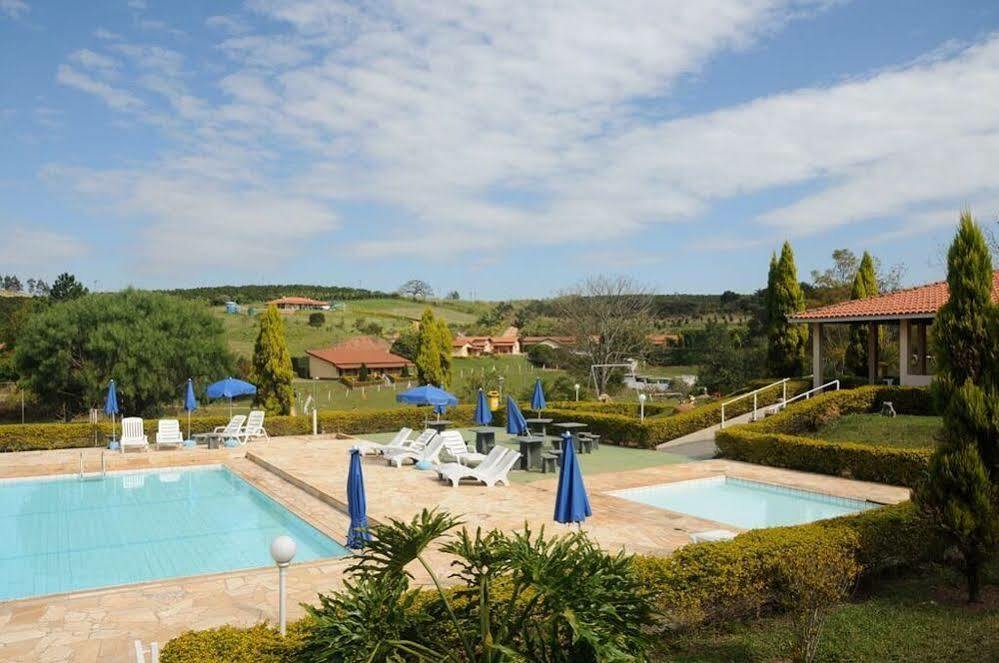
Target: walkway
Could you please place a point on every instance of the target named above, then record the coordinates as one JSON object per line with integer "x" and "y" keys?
{"x": 700, "y": 445}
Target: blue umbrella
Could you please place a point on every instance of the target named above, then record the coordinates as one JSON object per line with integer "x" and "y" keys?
{"x": 483, "y": 417}
{"x": 111, "y": 406}
{"x": 190, "y": 404}
{"x": 571, "y": 503}
{"x": 356, "y": 504}
{"x": 230, "y": 388}
{"x": 515, "y": 422}
{"x": 538, "y": 397}
{"x": 427, "y": 395}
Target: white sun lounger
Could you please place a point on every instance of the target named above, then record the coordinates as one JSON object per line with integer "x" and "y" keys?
{"x": 455, "y": 447}
{"x": 422, "y": 440}
{"x": 168, "y": 433}
{"x": 431, "y": 453}
{"x": 254, "y": 428}
{"x": 493, "y": 470}
{"x": 132, "y": 434}
{"x": 399, "y": 442}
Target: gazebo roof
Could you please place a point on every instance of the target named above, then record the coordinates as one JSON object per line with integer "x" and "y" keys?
{"x": 912, "y": 303}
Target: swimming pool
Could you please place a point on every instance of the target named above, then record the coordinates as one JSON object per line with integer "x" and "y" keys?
{"x": 742, "y": 503}
{"x": 64, "y": 534}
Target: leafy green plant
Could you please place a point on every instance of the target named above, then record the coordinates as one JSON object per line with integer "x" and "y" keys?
{"x": 272, "y": 372}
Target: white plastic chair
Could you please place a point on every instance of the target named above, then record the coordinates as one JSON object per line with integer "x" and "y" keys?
{"x": 132, "y": 434}
{"x": 456, "y": 447}
{"x": 430, "y": 453}
{"x": 168, "y": 433}
{"x": 254, "y": 427}
{"x": 491, "y": 474}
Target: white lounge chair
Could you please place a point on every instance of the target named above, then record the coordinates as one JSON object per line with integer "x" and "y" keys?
{"x": 132, "y": 434}
{"x": 254, "y": 427}
{"x": 430, "y": 453}
{"x": 396, "y": 443}
{"x": 456, "y": 447}
{"x": 168, "y": 433}
{"x": 492, "y": 470}
{"x": 230, "y": 431}
{"x": 421, "y": 442}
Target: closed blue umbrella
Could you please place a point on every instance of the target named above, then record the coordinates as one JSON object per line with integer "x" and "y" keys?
{"x": 538, "y": 397}
{"x": 230, "y": 388}
{"x": 111, "y": 406}
{"x": 190, "y": 404}
{"x": 483, "y": 417}
{"x": 515, "y": 422}
{"x": 571, "y": 503}
{"x": 356, "y": 504}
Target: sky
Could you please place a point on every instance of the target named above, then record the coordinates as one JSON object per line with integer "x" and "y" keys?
{"x": 500, "y": 149}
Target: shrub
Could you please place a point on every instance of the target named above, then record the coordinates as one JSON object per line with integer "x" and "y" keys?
{"x": 228, "y": 644}
{"x": 317, "y": 319}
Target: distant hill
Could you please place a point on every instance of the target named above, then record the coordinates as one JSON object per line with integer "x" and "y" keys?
{"x": 216, "y": 295}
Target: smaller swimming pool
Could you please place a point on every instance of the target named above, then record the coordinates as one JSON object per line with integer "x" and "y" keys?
{"x": 743, "y": 503}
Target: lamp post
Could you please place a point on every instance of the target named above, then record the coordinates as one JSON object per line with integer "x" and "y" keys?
{"x": 577, "y": 391}
{"x": 501, "y": 378}
{"x": 283, "y": 551}
{"x": 641, "y": 406}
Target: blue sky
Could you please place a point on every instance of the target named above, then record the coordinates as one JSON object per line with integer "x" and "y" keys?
{"x": 501, "y": 149}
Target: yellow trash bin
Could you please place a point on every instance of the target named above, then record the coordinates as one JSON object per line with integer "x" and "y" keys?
{"x": 493, "y": 400}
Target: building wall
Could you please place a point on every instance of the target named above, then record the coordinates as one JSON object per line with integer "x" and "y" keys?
{"x": 322, "y": 369}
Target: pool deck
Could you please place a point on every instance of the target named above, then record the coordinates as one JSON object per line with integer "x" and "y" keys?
{"x": 308, "y": 476}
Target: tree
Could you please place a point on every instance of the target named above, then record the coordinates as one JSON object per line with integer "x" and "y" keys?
{"x": 67, "y": 287}
{"x": 959, "y": 494}
{"x": 363, "y": 373}
{"x": 865, "y": 284}
{"x": 406, "y": 344}
{"x": 11, "y": 283}
{"x": 150, "y": 343}
{"x": 727, "y": 360}
{"x": 786, "y": 341}
{"x": 454, "y": 295}
{"x": 272, "y": 370}
{"x": 609, "y": 319}
{"x": 416, "y": 289}
{"x": 445, "y": 341}
{"x": 428, "y": 355}
{"x": 317, "y": 319}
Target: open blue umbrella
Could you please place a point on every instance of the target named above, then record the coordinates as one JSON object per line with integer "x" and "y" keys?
{"x": 483, "y": 417}
{"x": 111, "y": 406}
{"x": 356, "y": 504}
{"x": 190, "y": 404}
{"x": 428, "y": 394}
{"x": 515, "y": 422}
{"x": 230, "y": 388}
{"x": 538, "y": 397}
{"x": 571, "y": 503}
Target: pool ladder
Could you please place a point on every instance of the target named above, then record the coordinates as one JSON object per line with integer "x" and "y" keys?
{"x": 93, "y": 475}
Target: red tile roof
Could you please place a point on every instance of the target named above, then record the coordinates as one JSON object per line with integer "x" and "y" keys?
{"x": 301, "y": 301}
{"x": 920, "y": 302}
{"x": 372, "y": 352}
{"x": 480, "y": 341}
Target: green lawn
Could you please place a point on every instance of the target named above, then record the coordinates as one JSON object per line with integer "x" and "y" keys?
{"x": 909, "y": 619}
{"x": 905, "y": 430}
{"x": 667, "y": 371}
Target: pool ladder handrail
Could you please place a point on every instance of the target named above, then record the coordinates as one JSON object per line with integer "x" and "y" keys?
{"x": 104, "y": 467}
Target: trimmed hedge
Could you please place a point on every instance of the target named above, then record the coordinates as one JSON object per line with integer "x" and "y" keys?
{"x": 713, "y": 582}
{"x": 229, "y": 644}
{"x": 625, "y": 408}
{"x": 781, "y": 440}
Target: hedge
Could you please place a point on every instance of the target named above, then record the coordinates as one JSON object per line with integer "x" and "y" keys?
{"x": 780, "y": 440}
{"x": 713, "y": 582}
{"x": 623, "y": 408}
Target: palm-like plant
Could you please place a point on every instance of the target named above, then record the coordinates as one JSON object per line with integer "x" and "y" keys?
{"x": 519, "y": 597}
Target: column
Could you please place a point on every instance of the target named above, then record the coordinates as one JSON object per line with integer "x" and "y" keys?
{"x": 903, "y": 352}
{"x": 816, "y": 334}
{"x": 921, "y": 336}
{"x": 872, "y": 352}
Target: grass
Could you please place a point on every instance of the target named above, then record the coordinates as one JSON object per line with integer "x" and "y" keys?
{"x": 667, "y": 371}
{"x": 608, "y": 458}
{"x": 909, "y": 619}
{"x": 905, "y": 431}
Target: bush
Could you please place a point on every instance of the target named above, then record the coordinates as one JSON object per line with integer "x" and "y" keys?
{"x": 739, "y": 579}
{"x": 317, "y": 319}
{"x": 228, "y": 644}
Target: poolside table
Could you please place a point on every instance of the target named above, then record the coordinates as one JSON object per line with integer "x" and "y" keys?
{"x": 571, "y": 427}
{"x": 530, "y": 452}
{"x": 440, "y": 425}
{"x": 538, "y": 422}
{"x": 485, "y": 440}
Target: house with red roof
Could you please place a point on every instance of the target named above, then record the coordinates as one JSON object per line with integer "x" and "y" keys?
{"x": 345, "y": 359}
{"x": 912, "y": 310}
{"x": 299, "y": 304}
{"x": 477, "y": 346}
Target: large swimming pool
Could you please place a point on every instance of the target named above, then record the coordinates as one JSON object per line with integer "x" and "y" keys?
{"x": 742, "y": 503}
{"x": 60, "y": 535}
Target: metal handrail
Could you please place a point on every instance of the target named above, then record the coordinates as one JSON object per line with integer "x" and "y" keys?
{"x": 808, "y": 394}
{"x": 754, "y": 393}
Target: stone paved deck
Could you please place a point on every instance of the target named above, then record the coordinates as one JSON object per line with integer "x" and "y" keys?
{"x": 308, "y": 476}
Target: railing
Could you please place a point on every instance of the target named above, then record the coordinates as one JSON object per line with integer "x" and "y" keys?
{"x": 104, "y": 467}
{"x": 808, "y": 394}
{"x": 755, "y": 394}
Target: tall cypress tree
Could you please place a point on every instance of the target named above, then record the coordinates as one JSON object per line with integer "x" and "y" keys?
{"x": 786, "y": 341}
{"x": 445, "y": 339}
{"x": 959, "y": 495}
{"x": 429, "y": 369}
{"x": 865, "y": 284}
{"x": 272, "y": 371}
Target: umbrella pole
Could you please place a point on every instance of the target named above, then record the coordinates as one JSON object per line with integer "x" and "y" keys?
{"x": 189, "y": 424}
{"x": 230, "y": 407}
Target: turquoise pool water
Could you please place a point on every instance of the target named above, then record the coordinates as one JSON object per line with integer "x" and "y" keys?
{"x": 61, "y": 535}
{"x": 745, "y": 504}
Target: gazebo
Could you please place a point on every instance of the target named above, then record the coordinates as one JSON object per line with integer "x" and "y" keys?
{"x": 912, "y": 310}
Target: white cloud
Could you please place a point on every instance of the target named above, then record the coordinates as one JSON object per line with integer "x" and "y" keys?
{"x": 138, "y": 4}
{"x": 116, "y": 98}
{"x": 38, "y": 248}
{"x": 106, "y": 35}
{"x": 14, "y": 8}
{"x": 231, "y": 24}
{"x": 94, "y": 61}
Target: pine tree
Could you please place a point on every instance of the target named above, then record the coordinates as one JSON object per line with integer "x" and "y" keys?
{"x": 786, "y": 341}
{"x": 272, "y": 371}
{"x": 428, "y": 351}
{"x": 959, "y": 494}
{"x": 445, "y": 339}
{"x": 865, "y": 284}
